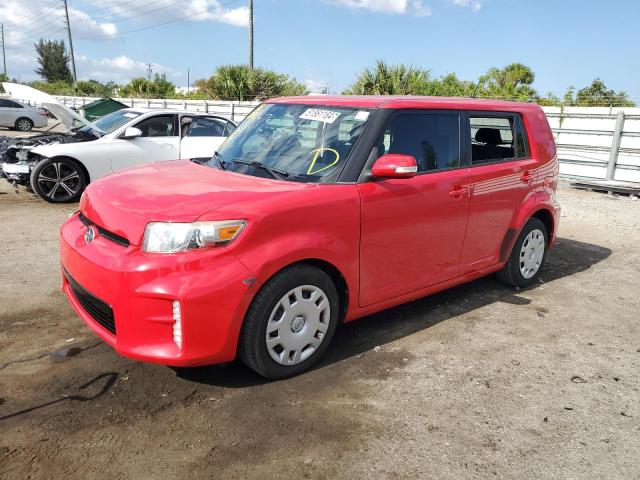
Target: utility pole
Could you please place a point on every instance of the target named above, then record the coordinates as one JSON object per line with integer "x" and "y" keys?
{"x": 149, "y": 70}
{"x": 73, "y": 57}
{"x": 4, "y": 58}
{"x": 251, "y": 34}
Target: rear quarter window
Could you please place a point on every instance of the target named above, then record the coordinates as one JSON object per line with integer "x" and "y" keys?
{"x": 496, "y": 137}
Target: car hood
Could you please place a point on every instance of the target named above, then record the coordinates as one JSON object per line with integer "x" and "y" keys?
{"x": 32, "y": 95}
{"x": 175, "y": 191}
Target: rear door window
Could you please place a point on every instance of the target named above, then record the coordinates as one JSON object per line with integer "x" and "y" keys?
{"x": 496, "y": 138}
{"x": 433, "y": 139}
{"x": 207, "y": 127}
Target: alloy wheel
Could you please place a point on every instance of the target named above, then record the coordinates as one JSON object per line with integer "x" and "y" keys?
{"x": 24, "y": 125}
{"x": 59, "y": 181}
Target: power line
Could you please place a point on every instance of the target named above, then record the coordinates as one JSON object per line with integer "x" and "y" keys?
{"x": 195, "y": 14}
{"x": 54, "y": 2}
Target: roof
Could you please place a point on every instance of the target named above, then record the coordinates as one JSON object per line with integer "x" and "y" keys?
{"x": 406, "y": 101}
{"x": 145, "y": 110}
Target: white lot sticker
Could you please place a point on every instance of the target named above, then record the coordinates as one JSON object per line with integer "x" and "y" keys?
{"x": 319, "y": 115}
{"x": 362, "y": 116}
{"x": 130, "y": 115}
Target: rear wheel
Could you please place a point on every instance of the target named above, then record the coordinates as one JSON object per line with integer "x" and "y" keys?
{"x": 527, "y": 256}
{"x": 23, "y": 124}
{"x": 58, "y": 180}
{"x": 290, "y": 323}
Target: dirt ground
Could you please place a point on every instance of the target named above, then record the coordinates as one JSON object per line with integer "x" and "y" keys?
{"x": 480, "y": 381}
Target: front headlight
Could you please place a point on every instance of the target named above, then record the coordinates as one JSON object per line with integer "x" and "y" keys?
{"x": 160, "y": 237}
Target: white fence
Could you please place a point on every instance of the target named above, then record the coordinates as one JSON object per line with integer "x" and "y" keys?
{"x": 597, "y": 142}
{"x": 593, "y": 142}
{"x": 235, "y": 111}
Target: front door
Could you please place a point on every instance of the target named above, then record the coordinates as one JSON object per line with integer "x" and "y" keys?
{"x": 160, "y": 141}
{"x": 412, "y": 230}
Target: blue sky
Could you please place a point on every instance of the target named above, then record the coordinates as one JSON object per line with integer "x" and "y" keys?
{"x": 329, "y": 41}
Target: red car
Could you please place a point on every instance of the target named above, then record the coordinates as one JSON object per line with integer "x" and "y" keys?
{"x": 315, "y": 211}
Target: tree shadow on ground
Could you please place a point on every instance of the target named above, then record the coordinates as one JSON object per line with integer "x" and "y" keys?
{"x": 568, "y": 257}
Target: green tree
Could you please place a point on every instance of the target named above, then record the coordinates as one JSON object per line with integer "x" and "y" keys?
{"x": 385, "y": 79}
{"x": 54, "y": 61}
{"x": 93, "y": 88}
{"x": 239, "y": 82}
{"x": 159, "y": 87}
{"x": 3, "y": 78}
{"x": 512, "y": 82}
{"x": 59, "y": 87}
{"x": 598, "y": 95}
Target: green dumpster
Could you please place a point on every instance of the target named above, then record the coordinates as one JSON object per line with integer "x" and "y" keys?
{"x": 101, "y": 107}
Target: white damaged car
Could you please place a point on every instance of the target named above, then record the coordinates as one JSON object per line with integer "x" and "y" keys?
{"x": 59, "y": 166}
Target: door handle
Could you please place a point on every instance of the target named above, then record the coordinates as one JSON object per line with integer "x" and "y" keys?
{"x": 526, "y": 177}
{"x": 459, "y": 191}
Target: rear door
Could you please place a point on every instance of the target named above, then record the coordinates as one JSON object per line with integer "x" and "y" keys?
{"x": 501, "y": 179}
{"x": 203, "y": 135}
{"x": 160, "y": 141}
{"x": 412, "y": 230}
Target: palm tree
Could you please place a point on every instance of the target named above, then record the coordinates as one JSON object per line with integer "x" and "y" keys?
{"x": 387, "y": 79}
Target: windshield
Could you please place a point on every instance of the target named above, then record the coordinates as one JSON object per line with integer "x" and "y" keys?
{"x": 113, "y": 121}
{"x": 306, "y": 143}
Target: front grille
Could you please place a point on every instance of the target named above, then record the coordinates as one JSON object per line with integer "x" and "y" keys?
{"x": 99, "y": 310}
{"x": 105, "y": 233}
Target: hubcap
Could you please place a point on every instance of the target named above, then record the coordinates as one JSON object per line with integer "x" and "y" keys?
{"x": 297, "y": 325}
{"x": 532, "y": 253}
{"x": 59, "y": 181}
{"x": 24, "y": 125}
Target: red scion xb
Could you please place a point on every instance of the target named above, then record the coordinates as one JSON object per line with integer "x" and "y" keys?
{"x": 315, "y": 211}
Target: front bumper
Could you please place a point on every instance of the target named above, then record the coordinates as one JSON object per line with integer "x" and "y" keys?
{"x": 140, "y": 289}
{"x": 16, "y": 172}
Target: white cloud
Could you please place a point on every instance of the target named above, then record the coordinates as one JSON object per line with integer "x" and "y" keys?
{"x": 396, "y": 7}
{"x": 25, "y": 22}
{"x": 474, "y": 5}
{"x": 120, "y": 68}
{"x": 141, "y": 13}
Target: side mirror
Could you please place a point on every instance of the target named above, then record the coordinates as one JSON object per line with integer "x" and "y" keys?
{"x": 131, "y": 132}
{"x": 395, "y": 165}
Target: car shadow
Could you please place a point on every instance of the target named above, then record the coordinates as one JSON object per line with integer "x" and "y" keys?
{"x": 568, "y": 257}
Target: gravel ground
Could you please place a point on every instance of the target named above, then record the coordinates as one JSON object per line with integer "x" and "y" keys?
{"x": 53, "y": 125}
{"x": 480, "y": 381}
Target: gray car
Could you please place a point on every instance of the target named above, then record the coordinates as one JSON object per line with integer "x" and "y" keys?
{"x": 17, "y": 116}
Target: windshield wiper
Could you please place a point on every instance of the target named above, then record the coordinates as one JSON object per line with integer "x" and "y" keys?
{"x": 221, "y": 161}
{"x": 274, "y": 172}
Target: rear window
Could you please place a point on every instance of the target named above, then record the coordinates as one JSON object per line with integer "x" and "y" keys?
{"x": 496, "y": 138}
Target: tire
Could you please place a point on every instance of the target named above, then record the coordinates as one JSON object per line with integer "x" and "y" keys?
{"x": 277, "y": 343}
{"x": 23, "y": 124}
{"x": 58, "y": 180}
{"x": 527, "y": 256}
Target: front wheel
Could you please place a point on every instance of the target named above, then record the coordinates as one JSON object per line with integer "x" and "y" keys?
{"x": 290, "y": 323}
{"x": 58, "y": 180}
{"x": 527, "y": 256}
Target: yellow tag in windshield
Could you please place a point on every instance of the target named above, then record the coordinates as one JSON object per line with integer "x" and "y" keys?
{"x": 317, "y": 153}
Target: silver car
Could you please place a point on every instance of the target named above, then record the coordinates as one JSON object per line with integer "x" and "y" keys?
{"x": 21, "y": 117}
